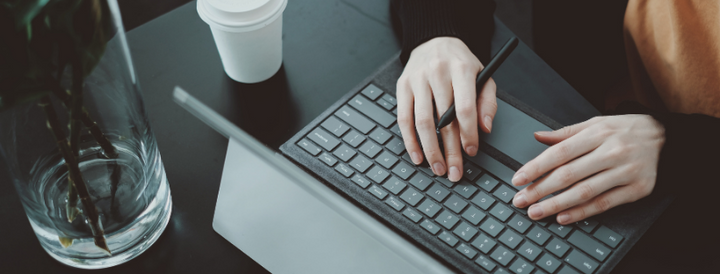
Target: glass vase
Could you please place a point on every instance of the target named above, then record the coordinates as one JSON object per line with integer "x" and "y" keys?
{"x": 116, "y": 154}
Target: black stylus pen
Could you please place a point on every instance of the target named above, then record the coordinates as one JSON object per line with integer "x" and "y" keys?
{"x": 483, "y": 77}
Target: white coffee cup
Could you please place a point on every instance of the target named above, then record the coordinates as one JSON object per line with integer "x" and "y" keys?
{"x": 248, "y": 35}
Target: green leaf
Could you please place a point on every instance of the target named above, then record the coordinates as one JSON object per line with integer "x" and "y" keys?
{"x": 26, "y": 10}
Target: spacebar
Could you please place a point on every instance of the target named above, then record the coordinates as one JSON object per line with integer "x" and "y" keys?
{"x": 488, "y": 163}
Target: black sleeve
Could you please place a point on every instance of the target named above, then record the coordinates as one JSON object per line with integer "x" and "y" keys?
{"x": 421, "y": 20}
{"x": 690, "y": 158}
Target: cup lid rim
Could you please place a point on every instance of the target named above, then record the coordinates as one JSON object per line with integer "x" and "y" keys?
{"x": 234, "y": 19}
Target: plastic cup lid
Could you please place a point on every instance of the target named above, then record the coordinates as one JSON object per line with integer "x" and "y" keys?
{"x": 240, "y": 15}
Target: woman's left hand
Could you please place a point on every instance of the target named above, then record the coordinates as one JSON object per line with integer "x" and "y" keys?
{"x": 603, "y": 162}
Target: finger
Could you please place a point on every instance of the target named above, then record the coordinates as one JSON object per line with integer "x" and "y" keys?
{"x": 554, "y": 137}
{"x": 488, "y": 105}
{"x": 463, "y": 84}
{"x": 426, "y": 127}
{"x": 558, "y": 154}
{"x": 405, "y": 120}
{"x": 562, "y": 177}
{"x": 601, "y": 203}
{"x": 579, "y": 193}
{"x": 441, "y": 85}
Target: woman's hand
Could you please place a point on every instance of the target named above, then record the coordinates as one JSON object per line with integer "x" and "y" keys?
{"x": 443, "y": 70}
{"x": 603, "y": 162}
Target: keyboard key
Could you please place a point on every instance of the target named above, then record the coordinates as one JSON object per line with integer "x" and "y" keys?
{"x": 549, "y": 263}
{"x": 396, "y": 145}
{"x": 308, "y": 146}
{"x": 484, "y": 243}
{"x": 608, "y": 236}
{"x": 355, "y": 119}
{"x": 396, "y": 129}
{"x": 447, "y": 219}
{"x": 560, "y": 230}
{"x": 448, "y": 238}
{"x": 324, "y": 139}
{"x": 529, "y": 251}
{"x": 403, "y": 170}
{"x": 361, "y": 163}
{"x": 470, "y": 171}
{"x": 443, "y": 180}
{"x": 425, "y": 168}
{"x": 394, "y": 185}
{"x": 473, "y": 215}
{"x": 354, "y": 138}
{"x": 520, "y": 266}
{"x": 377, "y": 174}
{"x": 501, "y": 271}
{"x": 335, "y": 126}
{"x": 467, "y": 251}
{"x": 344, "y": 152}
{"x": 361, "y": 181}
{"x": 581, "y": 262}
{"x": 589, "y": 245}
{"x": 370, "y": 148}
{"x": 587, "y": 225}
{"x": 386, "y": 159}
{"x": 483, "y": 200}
{"x": 567, "y": 270}
{"x": 438, "y": 192}
{"x": 502, "y": 255}
{"x": 372, "y": 92}
{"x": 390, "y": 99}
{"x": 557, "y": 247}
{"x": 465, "y": 231}
{"x": 465, "y": 189}
{"x": 429, "y": 208}
{"x": 511, "y": 239}
{"x": 456, "y": 204}
{"x": 492, "y": 227}
{"x": 412, "y": 196}
{"x": 519, "y": 223}
{"x": 378, "y": 192}
{"x": 344, "y": 170}
{"x": 501, "y": 211}
{"x": 327, "y": 159}
{"x": 412, "y": 215}
{"x": 380, "y": 135}
{"x": 420, "y": 181}
{"x": 384, "y": 104}
{"x": 371, "y": 110}
{"x": 395, "y": 203}
{"x": 485, "y": 263}
{"x": 504, "y": 193}
{"x": 538, "y": 235}
{"x": 430, "y": 226}
{"x": 487, "y": 182}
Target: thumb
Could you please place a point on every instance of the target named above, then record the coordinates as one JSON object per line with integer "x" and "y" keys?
{"x": 553, "y": 137}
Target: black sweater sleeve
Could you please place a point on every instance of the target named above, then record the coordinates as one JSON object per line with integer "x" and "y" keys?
{"x": 421, "y": 20}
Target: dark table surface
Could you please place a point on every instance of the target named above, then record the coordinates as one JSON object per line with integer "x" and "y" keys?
{"x": 329, "y": 47}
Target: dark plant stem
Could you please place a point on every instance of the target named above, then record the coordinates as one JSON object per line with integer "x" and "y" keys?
{"x": 53, "y": 123}
{"x": 92, "y": 126}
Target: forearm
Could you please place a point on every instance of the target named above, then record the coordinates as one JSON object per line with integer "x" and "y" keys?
{"x": 469, "y": 20}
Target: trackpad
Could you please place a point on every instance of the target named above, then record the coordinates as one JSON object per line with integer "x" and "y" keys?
{"x": 512, "y": 133}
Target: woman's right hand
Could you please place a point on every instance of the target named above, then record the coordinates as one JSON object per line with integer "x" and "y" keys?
{"x": 443, "y": 70}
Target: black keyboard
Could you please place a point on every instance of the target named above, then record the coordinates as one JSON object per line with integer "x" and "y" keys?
{"x": 471, "y": 224}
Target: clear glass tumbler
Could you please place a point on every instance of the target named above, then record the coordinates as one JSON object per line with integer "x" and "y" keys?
{"x": 128, "y": 188}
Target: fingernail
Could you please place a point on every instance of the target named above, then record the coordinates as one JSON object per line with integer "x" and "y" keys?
{"x": 519, "y": 178}
{"x": 563, "y": 218}
{"x": 471, "y": 150}
{"x": 439, "y": 168}
{"x": 535, "y": 211}
{"x": 543, "y": 133}
{"x": 454, "y": 174}
{"x": 488, "y": 122}
{"x": 520, "y": 200}
{"x": 415, "y": 158}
